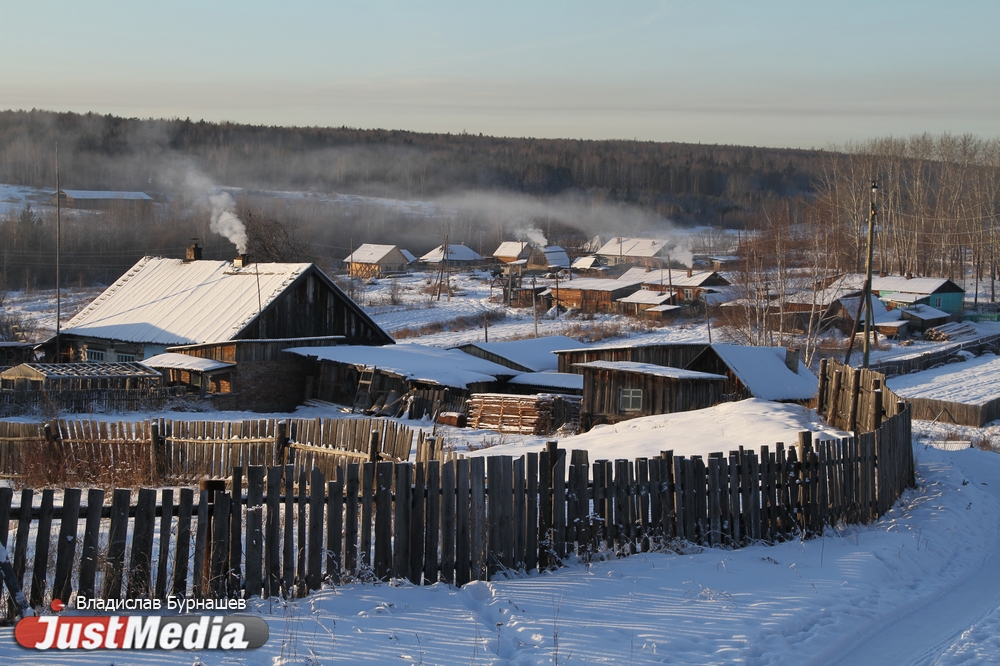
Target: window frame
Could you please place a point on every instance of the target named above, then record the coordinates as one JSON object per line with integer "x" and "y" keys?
{"x": 630, "y": 400}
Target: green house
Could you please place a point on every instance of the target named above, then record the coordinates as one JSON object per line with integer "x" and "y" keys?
{"x": 939, "y": 293}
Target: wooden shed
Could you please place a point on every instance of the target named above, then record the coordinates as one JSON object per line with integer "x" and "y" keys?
{"x": 615, "y": 391}
{"x": 79, "y": 376}
{"x": 769, "y": 373}
{"x": 592, "y": 294}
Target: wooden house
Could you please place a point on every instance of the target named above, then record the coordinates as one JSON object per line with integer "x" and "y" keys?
{"x": 899, "y": 291}
{"x": 922, "y": 317}
{"x": 457, "y": 254}
{"x": 161, "y": 303}
{"x": 511, "y": 251}
{"x": 672, "y": 355}
{"x": 687, "y": 286}
{"x": 641, "y": 251}
{"x": 769, "y": 373}
{"x": 14, "y": 353}
{"x": 204, "y": 376}
{"x": 591, "y": 294}
{"x": 615, "y": 391}
{"x": 372, "y": 261}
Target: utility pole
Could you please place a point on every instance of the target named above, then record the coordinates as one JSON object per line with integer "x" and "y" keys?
{"x": 58, "y": 258}
{"x": 534, "y": 307}
{"x": 868, "y": 277}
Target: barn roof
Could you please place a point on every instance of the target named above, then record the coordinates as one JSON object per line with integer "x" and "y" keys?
{"x": 668, "y": 276}
{"x": 107, "y": 194}
{"x": 763, "y": 371}
{"x": 82, "y": 370}
{"x": 369, "y": 253}
{"x": 923, "y": 312}
{"x": 534, "y": 353}
{"x": 649, "y": 369}
{"x": 511, "y": 248}
{"x": 597, "y": 284}
{"x": 173, "y": 302}
{"x": 647, "y": 297}
{"x": 590, "y": 261}
{"x": 445, "y": 367}
{"x": 632, "y": 247}
{"x": 556, "y": 256}
{"x": 898, "y": 284}
{"x": 456, "y": 252}
{"x": 569, "y": 381}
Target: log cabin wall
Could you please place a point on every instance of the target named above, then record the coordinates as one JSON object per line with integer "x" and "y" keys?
{"x": 660, "y": 395}
{"x": 671, "y": 356}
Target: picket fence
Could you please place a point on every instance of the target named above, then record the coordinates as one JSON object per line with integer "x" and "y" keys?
{"x": 285, "y": 530}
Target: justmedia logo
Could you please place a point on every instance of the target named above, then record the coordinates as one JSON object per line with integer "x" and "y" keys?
{"x": 142, "y": 632}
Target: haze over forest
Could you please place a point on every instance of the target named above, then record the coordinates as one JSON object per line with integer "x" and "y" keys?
{"x": 313, "y": 193}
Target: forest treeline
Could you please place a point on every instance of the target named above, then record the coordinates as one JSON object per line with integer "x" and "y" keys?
{"x": 687, "y": 182}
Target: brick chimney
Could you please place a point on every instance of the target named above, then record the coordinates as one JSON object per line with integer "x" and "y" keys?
{"x": 690, "y": 271}
{"x": 193, "y": 252}
{"x": 792, "y": 359}
{"x": 241, "y": 261}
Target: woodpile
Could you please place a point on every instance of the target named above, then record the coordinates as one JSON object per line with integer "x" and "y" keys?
{"x": 519, "y": 414}
{"x": 953, "y": 330}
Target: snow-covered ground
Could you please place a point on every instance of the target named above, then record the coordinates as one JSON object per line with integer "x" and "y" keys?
{"x": 919, "y": 586}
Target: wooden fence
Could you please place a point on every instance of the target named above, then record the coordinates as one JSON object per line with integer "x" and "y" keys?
{"x": 916, "y": 362}
{"x": 285, "y": 530}
{"x": 854, "y": 399}
{"x": 83, "y": 401}
{"x": 183, "y": 452}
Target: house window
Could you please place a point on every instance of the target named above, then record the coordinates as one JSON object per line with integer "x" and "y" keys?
{"x": 630, "y": 400}
{"x": 94, "y": 355}
{"x": 688, "y": 294}
{"x": 937, "y": 301}
{"x": 126, "y": 358}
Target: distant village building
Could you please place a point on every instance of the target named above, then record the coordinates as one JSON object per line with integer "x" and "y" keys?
{"x": 457, "y": 254}
{"x": 673, "y": 355}
{"x": 371, "y": 260}
{"x": 529, "y": 355}
{"x": 642, "y": 251}
{"x": 137, "y": 203}
{"x": 687, "y": 285}
{"x": 511, "y": 251}
{"x": 591, "y": 294}
{"x": 615, "y": 391}
{"x": 898, "y": 291}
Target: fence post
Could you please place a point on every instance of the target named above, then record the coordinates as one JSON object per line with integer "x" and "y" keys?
{"x": 373, "y": 447}
{"x": 877, "y": 404}
{"x": 281, "y": 441}
{"x": 833, "y": 397}
{"x": 158, "y": 453}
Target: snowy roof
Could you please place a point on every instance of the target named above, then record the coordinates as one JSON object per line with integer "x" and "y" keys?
{"x": 511, "y": 248}
{"x": 561, "y": 380}
{"x": 102, "y": 194}
{"x": 175, "y": 361}
{"x": 456, "y": 252}
{"x": 172, "y": 302}
{"x": 900, "y": 297}
{"x": 409, "y": 255}
{"x": 823, "y": 297}
{"x": 649, "y": 369}
{"x": 664, "y": 308}
{"x": 533, "y": 353}
{"x": 763, "y": 371}
{"x": 850, "y": 304}
{"x": 556, "y": 256}
{"x": 677, "y": 278}
{"x": 895, "y": 283}
{"x": 632, "y": 247}
{"x": 446, "y": 367}
{"x": 924, "y": 312}
{"x": 369, "y": 253}
{"x": 974, "y": 382}
{"x": 84, "y": 370}
{"x": 646, "y": 297}
{"x": 590, "y": 261}
{"x": 597, "y": 284}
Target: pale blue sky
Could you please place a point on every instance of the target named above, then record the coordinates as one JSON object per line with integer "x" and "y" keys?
{"x": 801, "y": 74}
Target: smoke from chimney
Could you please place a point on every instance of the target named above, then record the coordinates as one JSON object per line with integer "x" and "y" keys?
{"x": 225, "y": 222}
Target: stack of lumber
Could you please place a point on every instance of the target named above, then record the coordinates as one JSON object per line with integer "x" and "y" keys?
{"x": 953, "y": 330}
{"x": 520, "y": 414}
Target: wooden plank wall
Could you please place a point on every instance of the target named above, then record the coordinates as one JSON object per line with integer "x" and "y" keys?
{"x": 282, "y": 531}
{"x": 854, "y": 399}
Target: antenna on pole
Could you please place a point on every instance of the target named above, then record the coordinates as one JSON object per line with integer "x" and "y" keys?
{"x": 58, "y": 257}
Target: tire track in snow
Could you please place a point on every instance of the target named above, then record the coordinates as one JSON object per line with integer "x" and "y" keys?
{"x": 921, "y": 631}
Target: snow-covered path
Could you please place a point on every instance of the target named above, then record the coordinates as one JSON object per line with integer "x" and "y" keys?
{"x": 932, "y": 628}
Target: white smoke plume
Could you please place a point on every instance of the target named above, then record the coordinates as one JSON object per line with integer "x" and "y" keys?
{"x": 534, "y": 234}
{"x": 225, "y": 222}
